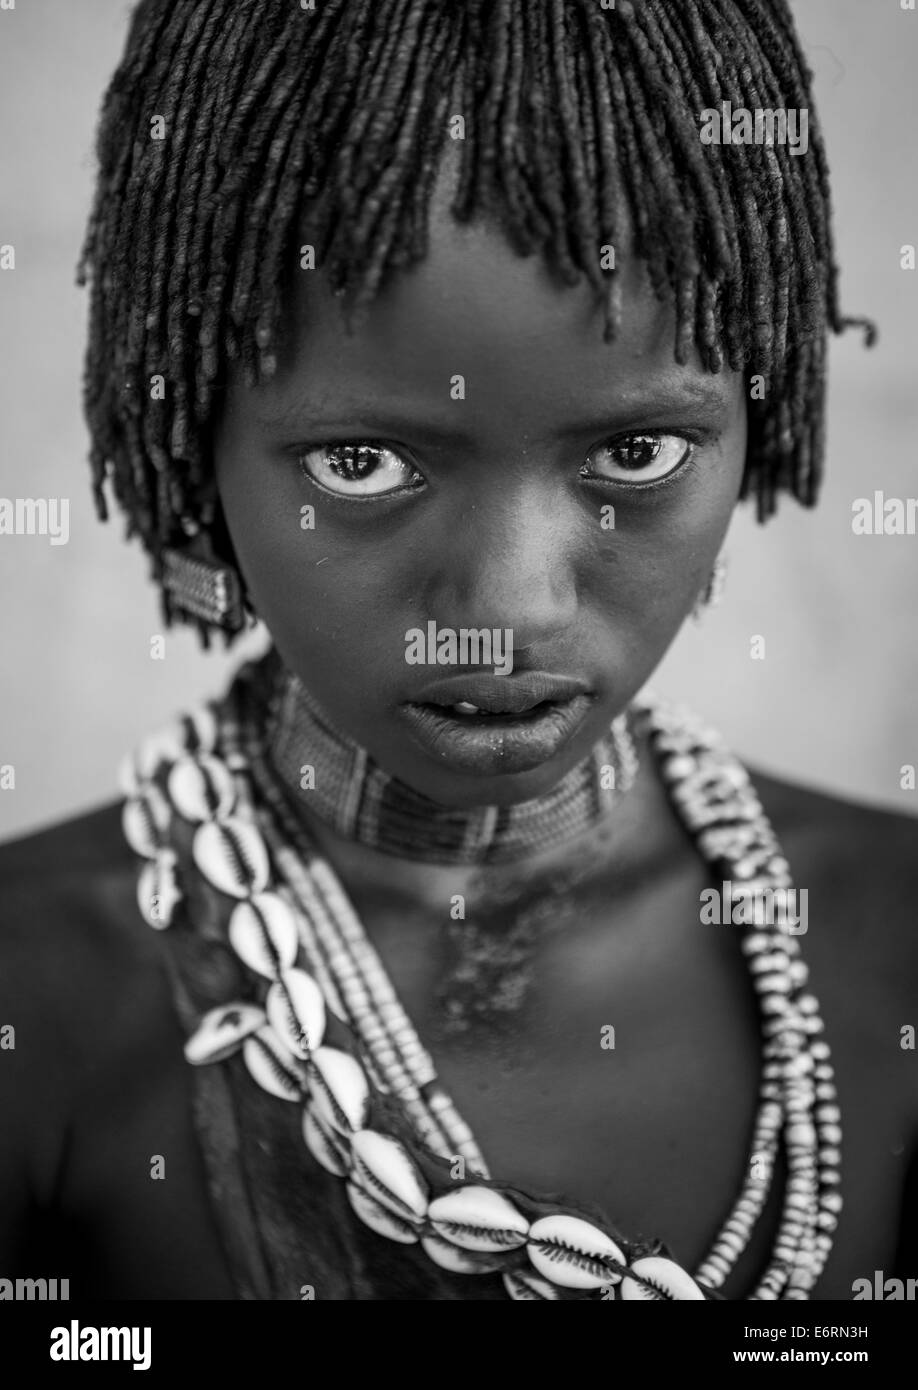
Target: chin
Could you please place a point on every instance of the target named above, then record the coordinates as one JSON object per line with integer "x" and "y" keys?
{"x": 463, "y": 791}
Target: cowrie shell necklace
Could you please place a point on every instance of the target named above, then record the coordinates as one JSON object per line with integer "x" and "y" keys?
{"x": 292, "y": 927}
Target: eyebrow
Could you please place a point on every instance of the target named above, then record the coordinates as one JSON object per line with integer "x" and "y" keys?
{"x": 688, "y": 396}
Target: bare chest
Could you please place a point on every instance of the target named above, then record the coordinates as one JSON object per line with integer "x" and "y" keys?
{"x": 621, "y": 1066}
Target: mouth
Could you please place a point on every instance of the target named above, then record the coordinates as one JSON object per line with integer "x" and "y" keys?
{"x": 494, "y": 725}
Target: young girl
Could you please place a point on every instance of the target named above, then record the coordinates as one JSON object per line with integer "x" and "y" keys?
{"x": 439, "y": 339}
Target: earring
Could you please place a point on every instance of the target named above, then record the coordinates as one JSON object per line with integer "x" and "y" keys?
{"x": 712, "y": 592}
{"x": 199, "y": 587}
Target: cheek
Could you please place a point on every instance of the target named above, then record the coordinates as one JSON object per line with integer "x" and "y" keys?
{"x": 338, "y": 599}
{"x": 650, "y": 568}
{"x": 327, "y": 600}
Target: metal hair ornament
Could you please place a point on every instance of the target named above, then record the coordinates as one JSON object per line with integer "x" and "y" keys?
{"x": 202, "y": 589}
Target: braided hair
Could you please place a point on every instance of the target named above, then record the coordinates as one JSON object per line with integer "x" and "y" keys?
{"x": 581, "y": 130}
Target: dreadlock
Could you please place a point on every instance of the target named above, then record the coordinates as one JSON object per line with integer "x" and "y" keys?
{"x": 581, "y": 130}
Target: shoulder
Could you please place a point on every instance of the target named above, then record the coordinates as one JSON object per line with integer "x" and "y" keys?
{"x": 858, "y": 865}
{"x": 76, "y": 844}
{"x": 80, "y": 973}
{"x": 845, "y": 850}
{"x": 822, "y": 817}
{"x": 68, "y": 894}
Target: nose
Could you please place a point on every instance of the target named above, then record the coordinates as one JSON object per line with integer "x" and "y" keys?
{"x": 508, "y": 564}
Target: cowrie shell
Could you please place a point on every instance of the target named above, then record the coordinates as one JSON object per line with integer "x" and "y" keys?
{"x": 158, "y": 893}
{"x": 672, "y": 1283}
{"x": 379, "y": 1218}
{"x": 201, "y": 788}
{"x": 197, "y": 728}
{"x": 271, "y": 1065}
{"x": 339, "y": 1089}
{"x": 478, "y": 1218}
{"x": 296, "y": 1012}
{"x": 129, "y": 778}
{"x": 525, "y": 1288}
{"x": 262, "y": 932}
{"x": 570, "y": 1251}
{"x": 163, "y": 746}
{"x": 232, "y": 856}
{"x": 386, "y": 1169}
{"x": 144, "y": 819}
{"x": 221, "y": 1031}
{"x": 458, "y": 1261}
{"x": 326, "y": 1146}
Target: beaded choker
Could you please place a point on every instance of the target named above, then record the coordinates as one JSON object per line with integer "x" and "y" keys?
{"x": 320, "y": 1026}
{"x": 352, "y": 793}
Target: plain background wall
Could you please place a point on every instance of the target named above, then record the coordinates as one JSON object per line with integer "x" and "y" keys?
{"x": 833, "y": 704}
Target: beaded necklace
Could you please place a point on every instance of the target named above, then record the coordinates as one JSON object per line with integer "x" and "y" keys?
{"x": 325, "y": 1030}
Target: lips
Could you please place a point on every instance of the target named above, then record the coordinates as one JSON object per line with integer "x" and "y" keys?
{"x": 497, "y": 724}
{"x": 501, "y": 694}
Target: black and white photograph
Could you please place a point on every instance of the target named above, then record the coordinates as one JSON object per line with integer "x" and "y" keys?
{"x": 458, "y": 732}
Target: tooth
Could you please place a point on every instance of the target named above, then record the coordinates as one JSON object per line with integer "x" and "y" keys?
{"x": 464, "y": 707}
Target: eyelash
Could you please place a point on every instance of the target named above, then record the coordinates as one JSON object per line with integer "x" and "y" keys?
{"x": 378, "y": 497}
{"x": 695, "y": 439}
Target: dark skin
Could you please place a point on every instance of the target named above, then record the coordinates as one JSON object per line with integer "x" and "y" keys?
{"x": 505, "y": 532}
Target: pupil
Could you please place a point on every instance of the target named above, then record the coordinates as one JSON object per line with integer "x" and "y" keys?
{"x": 352, "y": 462}
{"x": 639, "y": 451}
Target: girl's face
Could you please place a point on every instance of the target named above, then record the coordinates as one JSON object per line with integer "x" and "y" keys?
{"x": 519, "y": 477}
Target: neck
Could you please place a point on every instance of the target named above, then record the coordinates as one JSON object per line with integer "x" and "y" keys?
{"x": 375, "y": 878}
{"x": 345, "y": 797}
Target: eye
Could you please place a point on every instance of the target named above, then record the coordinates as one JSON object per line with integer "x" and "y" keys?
{"x": 638, "y": 458}
{"x": 359, "y": 470}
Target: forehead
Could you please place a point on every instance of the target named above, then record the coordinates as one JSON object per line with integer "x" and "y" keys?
{"x": 521, "y": 338}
